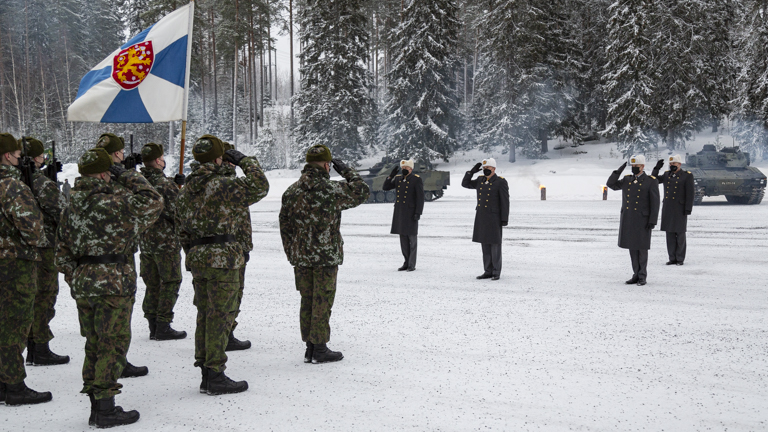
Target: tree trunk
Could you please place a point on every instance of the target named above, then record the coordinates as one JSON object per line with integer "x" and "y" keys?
{"x": 215, "y": 72}
{"x": 715, "y": 123}
{"x": 234, "y": 85}
{"x": 269, "y": 58}
{"x": 543, "y": 138}
{"x": 290, "y": 33}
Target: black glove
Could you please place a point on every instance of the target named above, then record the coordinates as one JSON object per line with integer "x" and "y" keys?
{"x": 650, "y": 226}
{"x": 233, "y": 156}
{"x": 247, "y": 256}
{"x": 132, "y": 160}
{"x": 687, "y": 213}
{"x": 621, "y": 168}
{"x": 504, "y": 223}
{"x": 179, "y": 179}
{"x": 416, "y": 217}
{"x": 659, "y": 164}
{"x": 116, "y": 170}
{"x": 476, "y": 169}
{"x": 394, "y": 172}
{"x": 339, "y": 166}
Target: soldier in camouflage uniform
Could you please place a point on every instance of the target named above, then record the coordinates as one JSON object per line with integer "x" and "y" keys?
{"x": 208, "y": 207}
{"x": 50, "y": 200}
{"x": 115, "y": 146}
{"x": 310, "y": 218}
{"x": 94, "y": 251}
{"x": 245, "y": 238}
{"x": 21, "y": 233}
{"x": 161, "y": 251}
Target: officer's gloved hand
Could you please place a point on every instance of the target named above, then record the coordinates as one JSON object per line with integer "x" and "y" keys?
{"x": 650, "y": 226}
{"x": 504, "y": 223}
{"x": 416, "y": 217}
{"x": 339, "y": 166}
{"x": 394, "y": 172}
{"x": 116, "y": 170}
{"x": 233, "y": 156}
{"x": 621, "y": 168}
{"x": 687, "y": 213}
{"x": 659, "y": 164}
{"x": 179, "y": 179}
{"x": 476, "y": 168}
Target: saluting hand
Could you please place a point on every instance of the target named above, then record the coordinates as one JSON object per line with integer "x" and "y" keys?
{"x": 659, "y": 164}
{"x": 394, "y": 172}
{"x": 621, "y": 168}
{"x": 476, "y": 168}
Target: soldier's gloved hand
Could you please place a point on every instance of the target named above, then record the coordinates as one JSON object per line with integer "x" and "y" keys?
{"x": 394, "y": 172}
{"x": 650, "y": 226}
{"x": 504, "y": 223}
{"x": 416, "y": 217}
{"x": 339, "y": 166}
{"x": 621, "y": 168}
{"x": 179, "y": 179}
{"x": 659, "y": 164}
{"x": 116, "y": 170}
{"x": 476, "y": 169}
{"x": 687, "y": 213}
{"x": 233, "y": 156}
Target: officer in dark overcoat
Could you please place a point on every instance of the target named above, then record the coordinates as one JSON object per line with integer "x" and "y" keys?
{"x": 409, "y": 205}
{"x": 678, "y": 204}
{"x": 491, "y": 213}
{"x": 639, "y": 214}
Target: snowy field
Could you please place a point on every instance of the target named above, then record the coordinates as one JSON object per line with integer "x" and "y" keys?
{"x": 559, "y": 343}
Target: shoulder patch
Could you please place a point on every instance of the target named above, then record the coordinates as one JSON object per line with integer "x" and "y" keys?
{"x": 688, "y": 172}
{"x": 628, "y": 175}
{"x": 416, "y": 175}
{"x": 653, "y": 177}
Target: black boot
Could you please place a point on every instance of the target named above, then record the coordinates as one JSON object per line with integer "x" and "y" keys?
{"x": 235, "y": 344}
{"x": 322, "y": 354}
{"x": 152, "y": 327}
{"x": 219, "y": 384}
{"x": 132, "y": 371}
{"x": 632, "y": 281}
{"x": 485, "y": 276}
{"x": 45, "y": 357}
{"x": 165, "y": 332}
{"x": 204, "y": 382}
{"x": 20, "y": 394}
{"x": 108, "y": 415}
{"x": 92, "y": 418}
{"x": 404, "y": 267}
{"x": 308, "y": 352}
{"x": 30, "y": 352}
{"x": 2, "y": 392}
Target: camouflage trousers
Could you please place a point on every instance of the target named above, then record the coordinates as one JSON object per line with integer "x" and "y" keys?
{"x": 239, "y": 299}
{"x": 317, "y": 286}
{"x": 17, "y": 297}
{"x": 162, "y": 277}
{"x": 45, "y": 298}
{"x": 215, "y": 297}
{"x": 105, "y": 322}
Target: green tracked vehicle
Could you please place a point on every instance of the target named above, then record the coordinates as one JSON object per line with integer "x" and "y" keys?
{"x": 435, "y": 182}
{"x": 725, "y": 172}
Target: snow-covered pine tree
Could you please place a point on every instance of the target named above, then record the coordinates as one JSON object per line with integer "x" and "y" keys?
{"x": 422, "y": 109}
{"x": 717, "y": 69}
{"x": 334, "y": 101}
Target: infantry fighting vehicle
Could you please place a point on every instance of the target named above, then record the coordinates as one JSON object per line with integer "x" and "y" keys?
{"x": 725, "y": 172}
{"x": 434, "y": 181}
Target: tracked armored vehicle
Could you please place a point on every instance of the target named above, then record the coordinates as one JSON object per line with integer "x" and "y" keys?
{"x": 725, "y": 172}
{"x": 435, "y": 182}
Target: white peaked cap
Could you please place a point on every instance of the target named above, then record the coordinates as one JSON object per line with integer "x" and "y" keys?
{"x": 637, "y": 160}
{"x": 491, "y": 162}
{"x": 676, "y": 158}
{"x": 406, "y": 163}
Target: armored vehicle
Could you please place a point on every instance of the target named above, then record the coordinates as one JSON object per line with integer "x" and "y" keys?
{"x": 725, "y": 172}
{"x": 434, "y": 181}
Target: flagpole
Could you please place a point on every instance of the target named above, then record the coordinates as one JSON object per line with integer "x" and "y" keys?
{"x": 186, "y": 89}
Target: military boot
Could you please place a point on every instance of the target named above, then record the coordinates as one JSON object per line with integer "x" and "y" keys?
{"x": 219, "y": 384}
{"x": 2, "y": 392}
{"x": 30, "y": 352}
{"x": 132, "y": 371}
{"x": 108, "y": 415}
{"x": 43, "y": 356}
{"x": 308, "y": 352}
{"x": 152, "y": 321}
{"x": 92, "y": 418}
{"x": 204, "y": 382}
{"x": 20, "y": 394}
{"x": 322, "y": 354}
{"x": 165, "y": 332}
{"x": 235, "y": 344}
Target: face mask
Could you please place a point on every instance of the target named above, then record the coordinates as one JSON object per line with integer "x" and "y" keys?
{"x": 164, "y": 165}
{"x": 487, "y": 172}
{"x": 673, "y": 168}
{"x": 635, "y": 170}
{"x": 406, "y": 172}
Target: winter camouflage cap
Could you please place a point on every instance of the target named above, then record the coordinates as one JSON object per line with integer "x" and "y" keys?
{"x": 319, "y": 153}
{"x": 8, "y": 143}
{"x": 150, "y": 152}
{"x": 207, "y": 148}
{"x": 94, "y": 161}
{"x": 227, "y": 146}
{"x": 34, "y": 147}
{"x": 111, "y": 143}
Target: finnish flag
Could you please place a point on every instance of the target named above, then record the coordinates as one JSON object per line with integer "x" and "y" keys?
{"x": 145, "y": 80}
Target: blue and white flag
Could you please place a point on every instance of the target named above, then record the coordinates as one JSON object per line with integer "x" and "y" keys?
{"x": 144, "y": 81}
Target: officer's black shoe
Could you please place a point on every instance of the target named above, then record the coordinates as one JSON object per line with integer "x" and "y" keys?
{"x": 45, "y": 357}
{"x": 308, "y": 352}
{"x": 92, "y": 418}
{"x": 152, "y": 327}
{"x": 30, "y": 352}
{"x": 204, "y": 382}
{"x": 108, "y": 415}
{"x": 485, "y": 276}
{"x": 403, "y": 268}
{"x": 322, "y": 354}
{"x": 20, "y": 394}
{"x": 632, "y": 281}
{"x": 3, "y": 390}
{"x": 641, "y": 282}
{"x": 679, "y": 263}
{"x": 671, "y": 262}
{"x": 236, "y": 344}
{"x": 132, "y": 371}
{"x": 219, "y": 384}
{"x": 495, "y": 278}
{"x": 166, "y": 332}
{"x": 411, "y": 268}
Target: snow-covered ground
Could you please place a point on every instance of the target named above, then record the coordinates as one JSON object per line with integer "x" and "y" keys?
{"x": 559, "y": 343}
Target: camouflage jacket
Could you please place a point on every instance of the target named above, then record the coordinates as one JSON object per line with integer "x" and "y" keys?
{"x": 310, "y": 217}
{"x": 21, "y": 222}
{"x": 163, "y": 235}
{"x": 100, "y": 221}
{"x": 209, "y": 205}
{"x": 120, "y": 190}
{"x": 244, "y": 228}
{"x": 51, "y": 201}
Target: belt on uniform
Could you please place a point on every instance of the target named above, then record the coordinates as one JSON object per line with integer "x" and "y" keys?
{"x": 217, "y": 239}
{"x": 103, "y": 259}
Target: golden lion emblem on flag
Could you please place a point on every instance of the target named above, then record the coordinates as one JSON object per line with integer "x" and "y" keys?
{"x": 132, "y": 65}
